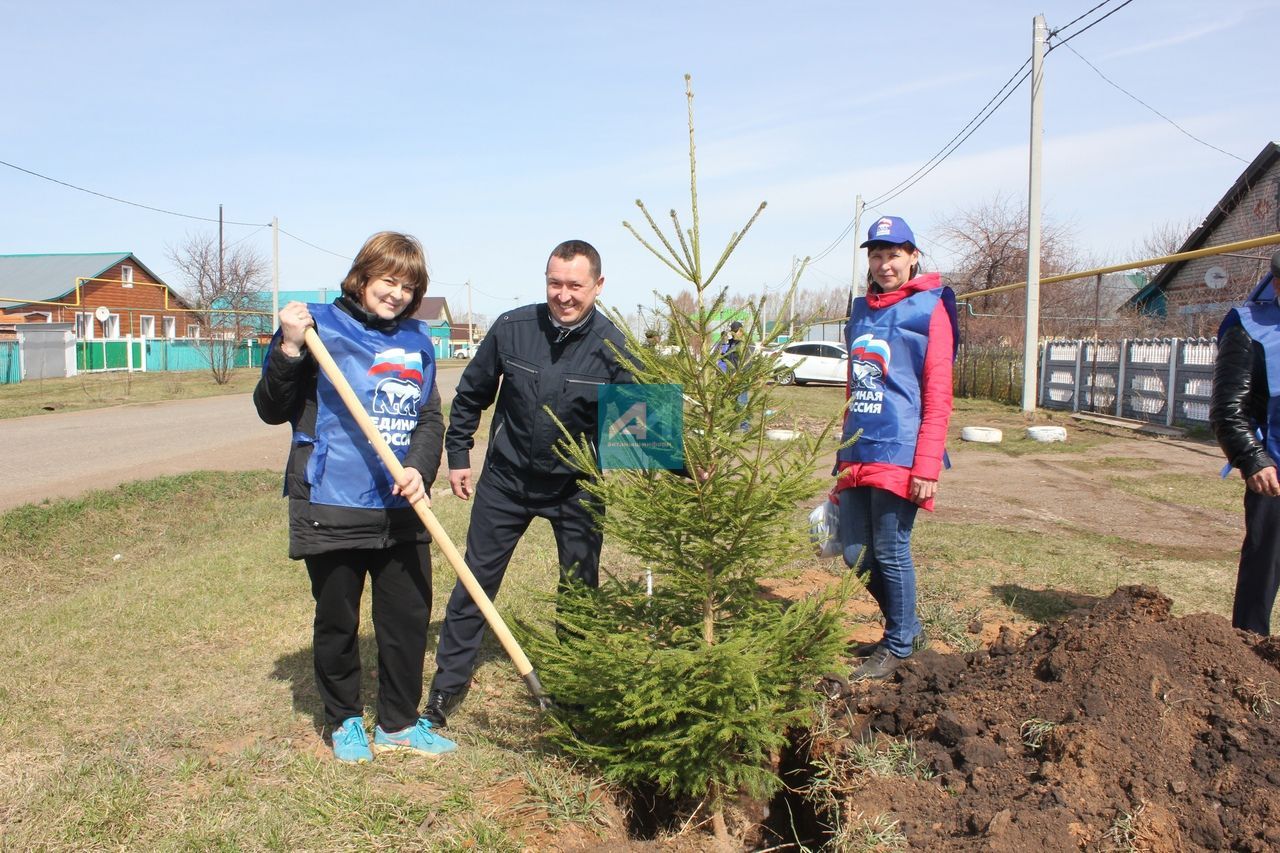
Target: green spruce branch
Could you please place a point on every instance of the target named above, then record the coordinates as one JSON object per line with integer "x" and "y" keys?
{"x": 695, "y": 687}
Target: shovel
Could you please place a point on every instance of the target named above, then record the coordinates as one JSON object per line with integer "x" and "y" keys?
{"x": 446, "y": 546}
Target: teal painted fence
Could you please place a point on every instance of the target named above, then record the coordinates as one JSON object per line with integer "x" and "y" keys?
{"x": 194, "y": 355}
{"x": 9, "y": 372}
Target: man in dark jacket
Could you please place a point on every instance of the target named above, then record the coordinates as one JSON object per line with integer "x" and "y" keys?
{"x": 552, "y": 355}
{"x": 1245, "y": 416}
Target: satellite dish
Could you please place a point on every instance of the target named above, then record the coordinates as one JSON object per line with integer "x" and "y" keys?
{"x": 102, "y": 313}
{"x": 1215, "y": 278}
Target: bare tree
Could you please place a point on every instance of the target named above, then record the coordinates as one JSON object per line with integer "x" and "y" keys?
{"x": 1164, "y": 238}
{"x": 990, "y": 240}
{"x": 227, "y": 290}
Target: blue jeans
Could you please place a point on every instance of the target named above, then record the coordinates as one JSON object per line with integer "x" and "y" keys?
{"x": 877, "y": 525}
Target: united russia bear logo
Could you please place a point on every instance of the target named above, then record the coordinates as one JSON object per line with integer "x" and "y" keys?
{"x": 868, "y": 360}
{"x": 400, "y": 388}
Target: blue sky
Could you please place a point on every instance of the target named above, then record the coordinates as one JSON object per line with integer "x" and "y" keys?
{"x": 494, "y": 130}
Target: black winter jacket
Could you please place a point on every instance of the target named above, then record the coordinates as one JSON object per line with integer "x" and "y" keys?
{"x": 537, "y": 369}
{"x": 1240, "y": 398}
{"x": 287, "y": 393}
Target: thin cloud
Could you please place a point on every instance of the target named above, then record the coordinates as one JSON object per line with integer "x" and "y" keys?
{"x": 1181, "y": 38}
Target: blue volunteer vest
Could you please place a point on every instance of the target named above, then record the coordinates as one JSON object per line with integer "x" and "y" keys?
{"x": 391, "y": 373}
{"x": 1262, "y": 321}
{"x": 886, "y": 363}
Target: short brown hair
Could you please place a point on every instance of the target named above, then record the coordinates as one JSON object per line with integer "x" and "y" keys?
{"x": 570, "y": 249}
{"x": 389, "y": 253}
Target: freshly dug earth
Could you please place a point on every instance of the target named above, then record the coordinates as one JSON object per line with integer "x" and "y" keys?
{"x": 1165, "y": 736}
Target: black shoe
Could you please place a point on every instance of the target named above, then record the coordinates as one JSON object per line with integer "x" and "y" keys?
{"x": 440, "y": 705}
{"x": 919, "y": 643}
{"x": 881, "y": 664}
{"x": 864, "y": 650}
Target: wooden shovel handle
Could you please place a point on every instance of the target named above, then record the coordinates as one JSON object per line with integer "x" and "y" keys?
{"x": 438, "y": 534}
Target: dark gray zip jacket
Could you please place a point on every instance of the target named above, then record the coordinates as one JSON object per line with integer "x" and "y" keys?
{"x": 527, "y": 363}
{"x": 286, "y": 393}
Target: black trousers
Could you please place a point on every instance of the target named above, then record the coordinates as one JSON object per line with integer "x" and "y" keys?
{"x": 401, "y": 578}
{"x": 1259, "y": 574}
{"x": 502, "y": 513}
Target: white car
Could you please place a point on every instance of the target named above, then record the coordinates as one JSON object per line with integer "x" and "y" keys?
{"x": 812, "y": 361}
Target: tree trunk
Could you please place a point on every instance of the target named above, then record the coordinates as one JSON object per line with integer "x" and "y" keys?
{"x": 709, "y": 611}
{"x": 722, "y": 832}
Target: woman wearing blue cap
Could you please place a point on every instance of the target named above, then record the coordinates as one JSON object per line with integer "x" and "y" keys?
{"x": 902, "y": 338}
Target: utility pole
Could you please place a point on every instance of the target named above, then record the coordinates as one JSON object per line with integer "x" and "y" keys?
{"x": 471, "y": 324}
{"x": 219, "y": 249}
{"x": 791, "y": 325}
{"x": 855, "y": 289}
{"x": 275, "y": 271}
{"x": 1040, "y": 33}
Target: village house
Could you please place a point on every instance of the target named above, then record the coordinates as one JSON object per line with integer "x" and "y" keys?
{"x": 1206, "y": 288}
{"x": 104, "y": 295}
{"x": 434, "y": 311}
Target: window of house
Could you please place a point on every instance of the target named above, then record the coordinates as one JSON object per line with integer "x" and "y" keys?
{"x": 126, "y": 276}
{"x": 111, "y": 328}
{"x": 84, "y": 325}
{"x": 170, "y": 328}
{"x": 148, "y": 326}
{"x": 193, "y": 331}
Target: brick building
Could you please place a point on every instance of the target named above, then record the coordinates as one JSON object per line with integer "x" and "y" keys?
{"x": 71, "y": 288}
{"x": 1212, "y": 285}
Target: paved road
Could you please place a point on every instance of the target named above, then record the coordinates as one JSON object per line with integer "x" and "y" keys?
{"x": 64, "y": 455}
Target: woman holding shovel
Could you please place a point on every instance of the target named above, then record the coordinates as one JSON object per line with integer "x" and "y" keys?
{"x": 901, "y": 338}
{"x": 347, "y": 517}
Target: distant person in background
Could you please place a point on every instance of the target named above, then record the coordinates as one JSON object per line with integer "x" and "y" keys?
{"x": 1245, "y": 417}
{"x": 902, "y": 339}
{"x": 729, "y": 357}
{"x": 347, "y": 518}
{"x": 729, "y": 349}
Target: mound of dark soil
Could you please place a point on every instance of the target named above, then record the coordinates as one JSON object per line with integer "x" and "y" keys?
{"x": 1158, "y": 734}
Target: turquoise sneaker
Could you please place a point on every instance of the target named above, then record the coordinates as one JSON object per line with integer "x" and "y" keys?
{"x": 417, "y": 738}
{"x": 350, "y": 742}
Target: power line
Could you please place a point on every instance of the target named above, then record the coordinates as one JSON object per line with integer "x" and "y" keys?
{"x": 962, "y": 140}
{"x": 247, "y": 236}
{"x": 118, "y": 200}
{"x": 980, "y": 117}
{"x": 123, "y": 200}
{"x": 1068, "y": 26}
{"x": 986, "y": 111}
{"x": 492, "y": 296}
{"x": 313, "y": 245}
{"x": 1091, "y": 25}
{"x": 943, "y": 152}
{"x": 1180, "y": 128}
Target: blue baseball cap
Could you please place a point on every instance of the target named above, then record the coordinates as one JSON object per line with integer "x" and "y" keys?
{"x": 889, "y": 229}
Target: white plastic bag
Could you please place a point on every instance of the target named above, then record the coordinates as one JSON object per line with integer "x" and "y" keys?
{"x": 824, "y": 528}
